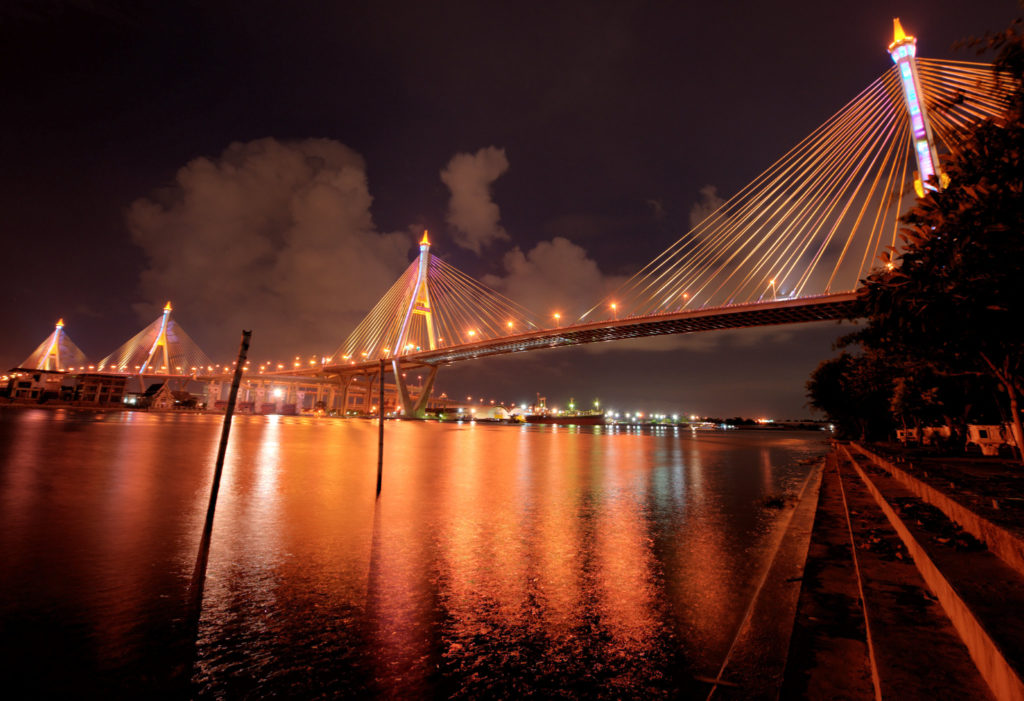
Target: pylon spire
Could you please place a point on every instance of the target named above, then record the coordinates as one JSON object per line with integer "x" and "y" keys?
{"x": 160, "y": 343}
{"x": 419, "y": 302}
{"x": 903, "y": 50}
{"x": 51, "y": 361}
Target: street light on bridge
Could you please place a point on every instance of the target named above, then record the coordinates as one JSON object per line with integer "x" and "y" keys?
{"x": 615, "y": 312}
{"x": 557, "y": 318}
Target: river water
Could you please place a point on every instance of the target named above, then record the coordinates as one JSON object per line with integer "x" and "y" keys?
{"x": 498, "y": 561}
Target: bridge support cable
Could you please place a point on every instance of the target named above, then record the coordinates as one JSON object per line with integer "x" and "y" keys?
{"x": 432, "y": 304}
{"x": 56, "y": 352}
{"x": 825, "y": 214}
{"x": 162, "y": 348}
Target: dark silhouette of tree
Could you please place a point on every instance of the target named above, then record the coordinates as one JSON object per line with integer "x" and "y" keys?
{"x": 945, "y": 318}
{"x": 854, "y": 393}
{"x": 953, "y": 302}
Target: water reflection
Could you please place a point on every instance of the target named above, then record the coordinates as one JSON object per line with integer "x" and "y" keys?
{"x": 497, "y": 560}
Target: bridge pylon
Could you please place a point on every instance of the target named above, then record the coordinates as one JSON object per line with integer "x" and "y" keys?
{"x": 159, "y": 344}
{"x": 419, "y": 305}
{"x": 903, "y": 50}
{"x": 56, "y": 353}
{"x": 51, "y": 358}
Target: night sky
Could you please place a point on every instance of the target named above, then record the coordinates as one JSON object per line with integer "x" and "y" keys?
{"x": 270, "y": 165}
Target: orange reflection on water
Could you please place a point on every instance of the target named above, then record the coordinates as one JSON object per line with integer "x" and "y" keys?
{"x": 553, "y": 558}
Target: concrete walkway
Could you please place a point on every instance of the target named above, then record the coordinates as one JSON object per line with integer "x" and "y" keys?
{"x": 913, "y": 585}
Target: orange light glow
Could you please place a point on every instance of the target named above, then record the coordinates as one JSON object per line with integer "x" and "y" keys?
{"x": 898, "y": 34}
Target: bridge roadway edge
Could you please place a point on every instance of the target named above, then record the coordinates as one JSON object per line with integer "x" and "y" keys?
{"x": 829, "y": 307}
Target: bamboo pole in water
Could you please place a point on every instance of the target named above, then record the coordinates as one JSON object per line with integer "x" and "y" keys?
{"x": 195, "y": 589}
{"x": 380, "y": 432}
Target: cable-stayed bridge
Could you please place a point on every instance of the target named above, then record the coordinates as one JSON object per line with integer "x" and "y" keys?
{"x": 789, "y": 247}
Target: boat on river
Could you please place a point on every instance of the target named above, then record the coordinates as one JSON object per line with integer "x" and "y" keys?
{"x": 575, "y": 418}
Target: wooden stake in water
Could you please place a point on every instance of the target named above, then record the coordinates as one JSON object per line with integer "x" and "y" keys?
{"x": 380, "y": 432}
{"x": 195, "y": 589}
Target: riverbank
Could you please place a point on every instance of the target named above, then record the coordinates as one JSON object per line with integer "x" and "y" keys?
{"x": 914, "y": 575}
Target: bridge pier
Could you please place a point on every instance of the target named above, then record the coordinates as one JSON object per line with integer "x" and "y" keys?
{"x": 413, "y": 409}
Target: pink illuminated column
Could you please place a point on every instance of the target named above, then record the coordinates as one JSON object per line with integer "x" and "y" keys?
{"x": 903, "y": 49}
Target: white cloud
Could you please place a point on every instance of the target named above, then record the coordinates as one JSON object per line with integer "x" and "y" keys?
{"x": 472, "y": 212}
{"x": 704, "y": 207}
{"x": 555, "y": 275}
{"x": 271, "y": 236}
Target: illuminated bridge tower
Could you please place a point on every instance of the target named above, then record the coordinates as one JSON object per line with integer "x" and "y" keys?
{"x": 419, "y": 302}
{"x": 51, "y": 358}
{"x": 160, "y": 344}
{"x": 903, "y": 49}
{"x": 419, "y": 306}
{"x": 57, "y": 353}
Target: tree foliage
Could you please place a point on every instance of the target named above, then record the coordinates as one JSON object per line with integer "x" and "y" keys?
{"x": 952, "y": 300}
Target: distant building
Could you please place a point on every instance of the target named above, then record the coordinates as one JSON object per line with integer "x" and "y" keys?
{"x": 160, "y": 397}
{"x": 36, "y": 385}
{"x": 101, "y": 390}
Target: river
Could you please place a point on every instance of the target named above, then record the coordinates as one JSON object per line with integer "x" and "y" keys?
{"x": 498, "y": 561}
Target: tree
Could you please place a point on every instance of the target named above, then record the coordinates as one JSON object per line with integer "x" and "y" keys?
{"x": 954, "y": 299}
{"x": 854, "y": 392}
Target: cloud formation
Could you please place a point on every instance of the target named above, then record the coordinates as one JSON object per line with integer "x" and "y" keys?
{"x": 704, "y": 207}
{"x": 472, "y": 212}
{"x": 554, "y": 276}
{"x": 272, "y": 236}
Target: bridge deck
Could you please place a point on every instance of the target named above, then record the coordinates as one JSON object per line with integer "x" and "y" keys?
{"x": 806, "y": 309}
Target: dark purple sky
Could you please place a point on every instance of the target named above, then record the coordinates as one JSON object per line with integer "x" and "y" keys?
{"x": 597, "y": 122}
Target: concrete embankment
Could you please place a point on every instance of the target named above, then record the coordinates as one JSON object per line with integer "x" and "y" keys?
{"x": 913, "y": 583}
